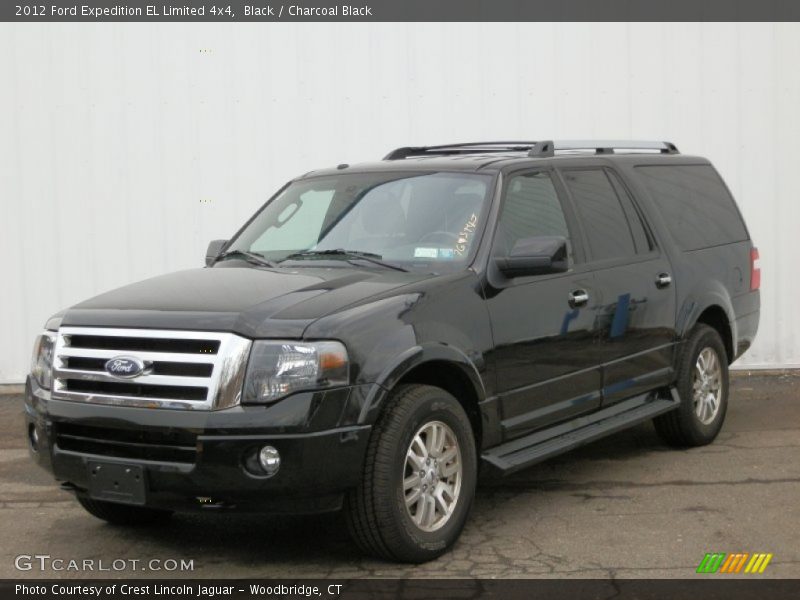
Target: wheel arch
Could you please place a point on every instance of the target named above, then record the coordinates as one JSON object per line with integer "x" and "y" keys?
{"x": 712, "y": 307}
{"x": 438, "y": 365}
{"x": 715, "y": 317}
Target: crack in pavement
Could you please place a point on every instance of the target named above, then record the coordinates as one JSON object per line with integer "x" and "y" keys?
{"x": 586, "y": 497}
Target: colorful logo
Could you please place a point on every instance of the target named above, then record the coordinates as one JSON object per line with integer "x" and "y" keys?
{"x": 742, "y": 562}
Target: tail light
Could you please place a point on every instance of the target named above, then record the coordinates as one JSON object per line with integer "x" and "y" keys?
{"x": 755, "y": 270}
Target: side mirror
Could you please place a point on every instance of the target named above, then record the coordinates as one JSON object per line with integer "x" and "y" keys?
{"x": 535, "y": 256}
{"x": 214, "y": 250}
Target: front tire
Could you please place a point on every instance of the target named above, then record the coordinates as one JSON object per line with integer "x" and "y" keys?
{"x": 122, "y": 514}
{"x": 703, "y": 388}
{"x": 419, "y": 477}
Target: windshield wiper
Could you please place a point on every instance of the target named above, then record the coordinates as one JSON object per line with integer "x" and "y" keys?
{"x": 250, "y": 257}
{"x": 351, "y": 255}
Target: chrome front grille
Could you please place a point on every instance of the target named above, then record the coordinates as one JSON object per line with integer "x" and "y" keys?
{"x": 184, "y": 369}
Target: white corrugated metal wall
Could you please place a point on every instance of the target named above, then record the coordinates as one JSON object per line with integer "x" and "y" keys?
{"x": 125, "y": 148}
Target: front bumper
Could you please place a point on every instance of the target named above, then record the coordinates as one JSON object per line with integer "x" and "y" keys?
{"x": 195, "y": 460}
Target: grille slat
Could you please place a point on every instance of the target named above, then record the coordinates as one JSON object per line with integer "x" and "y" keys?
{"x": 68, "y": 352}
{"x": 183, "y": 369}
{"x": 144, "y": 380}
{"x": 135, "y": 390}
{"x": 179, "y": 369}
{"x": 162, "y": 446}
{"x": 146, "y": 344}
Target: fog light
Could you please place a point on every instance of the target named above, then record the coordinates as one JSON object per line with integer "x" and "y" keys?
{"x": 269, "y": 459}
{"x": 33, "y": 437}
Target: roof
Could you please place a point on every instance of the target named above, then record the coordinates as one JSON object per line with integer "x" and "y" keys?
{"x": 491, "y": 157}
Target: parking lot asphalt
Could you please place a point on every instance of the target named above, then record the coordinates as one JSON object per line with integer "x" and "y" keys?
{"x": 623, "y": 507}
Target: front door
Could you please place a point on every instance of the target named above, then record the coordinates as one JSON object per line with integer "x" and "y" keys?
{"x": 545, "y": 326}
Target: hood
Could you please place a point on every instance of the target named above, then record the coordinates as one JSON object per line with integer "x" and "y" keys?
{"x": 251, "y": 301}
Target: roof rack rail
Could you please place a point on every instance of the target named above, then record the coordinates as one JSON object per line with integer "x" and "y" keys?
{"x": 461, "y": 148}
{"x": 549, "y": 147}
{"x": 539, "y": 149}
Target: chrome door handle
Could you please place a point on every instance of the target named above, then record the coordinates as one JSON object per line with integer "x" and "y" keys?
{"x": 663, "y": 280}
{"x": 578, "y": 298}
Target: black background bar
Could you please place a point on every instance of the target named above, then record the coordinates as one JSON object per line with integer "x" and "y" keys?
{"x": 401, "y": 10}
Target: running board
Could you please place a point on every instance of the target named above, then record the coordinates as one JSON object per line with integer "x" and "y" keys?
{"x": 522, "y": 452}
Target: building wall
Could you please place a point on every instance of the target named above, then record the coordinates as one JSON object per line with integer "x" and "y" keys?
{"x": 124, "y": 149}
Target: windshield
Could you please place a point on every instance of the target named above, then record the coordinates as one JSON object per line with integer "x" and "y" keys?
{"x": 415, "y": 220}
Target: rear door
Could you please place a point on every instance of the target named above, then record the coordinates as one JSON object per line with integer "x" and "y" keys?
{"x": 635, "y": 320}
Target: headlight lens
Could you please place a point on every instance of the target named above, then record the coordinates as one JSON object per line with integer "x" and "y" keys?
{"x": 279, "y": 368}
{"x": 42, "y": 360}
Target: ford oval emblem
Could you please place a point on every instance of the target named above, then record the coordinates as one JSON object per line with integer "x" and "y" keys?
{"x": 126, "y": 367}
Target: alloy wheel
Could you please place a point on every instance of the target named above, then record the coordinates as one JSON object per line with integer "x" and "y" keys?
{"x": 707, "y": 385}
{"x": 432, "y": 476}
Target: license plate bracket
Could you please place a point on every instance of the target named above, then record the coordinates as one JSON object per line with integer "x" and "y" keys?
{"x": 116, "y": 482}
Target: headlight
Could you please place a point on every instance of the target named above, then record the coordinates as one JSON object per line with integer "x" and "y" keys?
{"x": 279, "y": 368}
{"x": 42, "y": 361}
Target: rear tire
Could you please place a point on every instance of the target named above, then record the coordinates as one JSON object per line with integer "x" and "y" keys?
{"x": 122, "y": 514}
{"x": 703, "y": 388}
{"x": 419, "y": 477}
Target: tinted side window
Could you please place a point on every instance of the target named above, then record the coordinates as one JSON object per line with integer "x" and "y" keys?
{"x": 695, "y": 204}
{"x": 640, "y": 237}
{"x": 531, "y": 208}
{"x": 599, "y": 208}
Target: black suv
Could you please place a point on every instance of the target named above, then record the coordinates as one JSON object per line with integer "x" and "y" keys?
{"x": 376, "y": 335}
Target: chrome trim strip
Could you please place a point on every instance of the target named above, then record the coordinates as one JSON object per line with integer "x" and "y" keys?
{"x": 175, "y": 380}
{"x": 68, "y": 351}
{"x": 230, "y": 371}
{"x": 60, "y": 394}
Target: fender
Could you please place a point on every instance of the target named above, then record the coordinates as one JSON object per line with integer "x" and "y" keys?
{"x": 697, "y": 300}
{"x": 412, "y": 358}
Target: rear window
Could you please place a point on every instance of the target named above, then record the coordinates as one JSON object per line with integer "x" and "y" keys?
{"x": 695, "y": 204}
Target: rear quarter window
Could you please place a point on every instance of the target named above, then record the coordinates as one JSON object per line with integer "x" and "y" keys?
{"x": 696, "y": 206}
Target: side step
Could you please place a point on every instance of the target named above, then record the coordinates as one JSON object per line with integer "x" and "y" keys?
{"x": 522, "y": 452}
